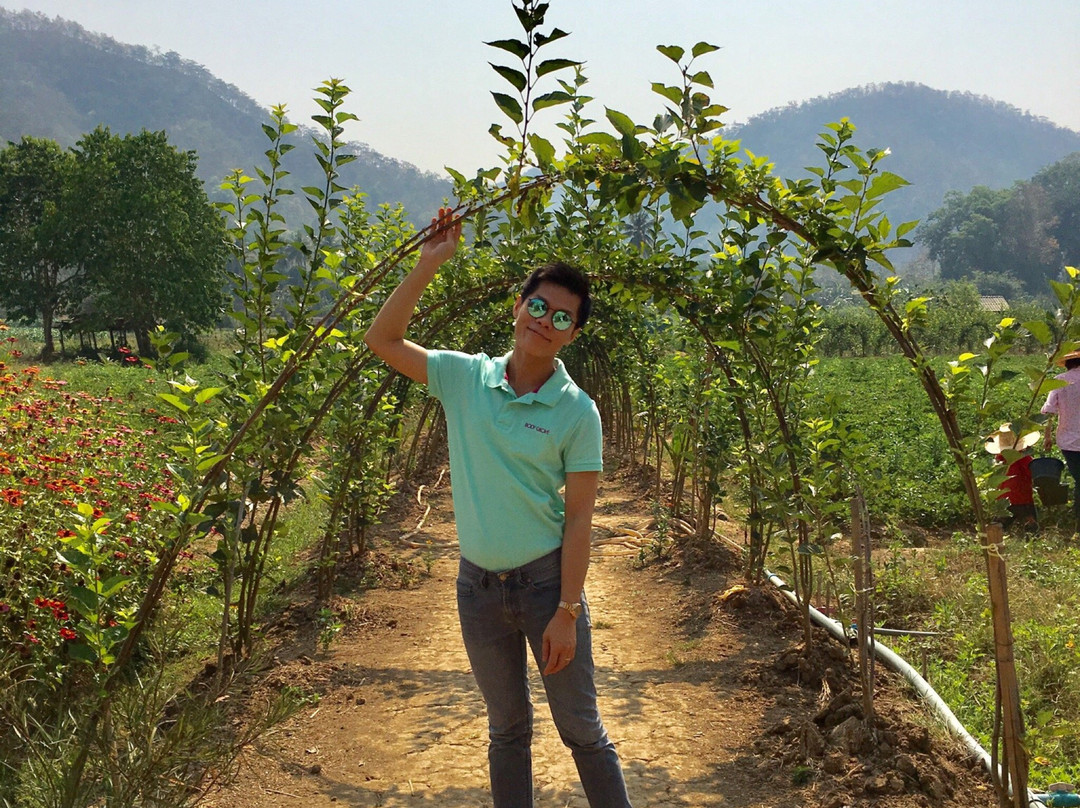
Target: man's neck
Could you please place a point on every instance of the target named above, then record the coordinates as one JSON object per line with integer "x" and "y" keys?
{"x": 527, "y": 374}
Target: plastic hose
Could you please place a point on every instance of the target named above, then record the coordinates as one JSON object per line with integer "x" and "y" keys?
{"x": 895, "y": 662}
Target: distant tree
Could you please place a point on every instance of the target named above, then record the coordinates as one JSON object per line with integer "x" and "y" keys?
{"x": 1061, "y": 184}
{"x": 150, "y": 244}
{"x": 991, "y": 234}
{"x": 35, "y": 261}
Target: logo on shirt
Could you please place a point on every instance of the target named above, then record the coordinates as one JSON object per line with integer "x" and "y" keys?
{"x": 539, "y": 429}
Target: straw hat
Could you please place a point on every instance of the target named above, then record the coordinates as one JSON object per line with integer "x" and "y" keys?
{"x": 1005, "y": 439}
{"x": 1066, "y": 357}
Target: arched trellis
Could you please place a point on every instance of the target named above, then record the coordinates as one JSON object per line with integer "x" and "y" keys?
{"x": 627, "y": 173}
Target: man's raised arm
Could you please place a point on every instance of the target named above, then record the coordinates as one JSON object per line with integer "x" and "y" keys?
{"x": 386, "y": 334}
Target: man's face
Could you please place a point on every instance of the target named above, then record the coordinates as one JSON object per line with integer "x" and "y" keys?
{"x": 536, "y": 335}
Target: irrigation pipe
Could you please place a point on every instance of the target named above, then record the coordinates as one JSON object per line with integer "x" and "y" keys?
{"x": 922, "y": 687}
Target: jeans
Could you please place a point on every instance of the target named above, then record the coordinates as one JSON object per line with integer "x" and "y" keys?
{"x": 1072, "y": 460}
{"x": 499, "y": 613}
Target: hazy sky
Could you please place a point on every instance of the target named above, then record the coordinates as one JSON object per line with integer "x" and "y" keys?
{"x": 420, "y": 77}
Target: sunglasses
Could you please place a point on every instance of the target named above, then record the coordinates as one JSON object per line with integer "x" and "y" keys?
{"x": 560, "y": 320}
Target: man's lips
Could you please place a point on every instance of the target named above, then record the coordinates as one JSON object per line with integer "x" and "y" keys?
{"x": 540, "y": 334}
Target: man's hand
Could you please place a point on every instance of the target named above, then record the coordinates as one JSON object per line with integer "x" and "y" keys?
{"x": 386, "y": 334}
{"x": 560, "y": 642}
{"x": 441, "y": 247}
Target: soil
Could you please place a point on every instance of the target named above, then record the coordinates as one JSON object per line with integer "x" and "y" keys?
{"x": 704, "y": 686}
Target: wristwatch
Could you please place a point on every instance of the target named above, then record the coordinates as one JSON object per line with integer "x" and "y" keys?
{"x": 573, "y": 608}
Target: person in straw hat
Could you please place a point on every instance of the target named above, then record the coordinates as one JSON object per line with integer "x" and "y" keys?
{"x": 1017, "y": 487}
{"x": 1063, "y": 403}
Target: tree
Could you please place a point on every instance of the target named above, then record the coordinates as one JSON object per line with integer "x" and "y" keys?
{"x": 151, "y": 245}
{"x": 35, "y": 263}
{"x": 1061, "y": 182}
{"x": 1027, "y": 232}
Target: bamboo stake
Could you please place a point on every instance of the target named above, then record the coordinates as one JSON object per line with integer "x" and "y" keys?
{"x": 860, "y": 551}
{"x": 1014, "y": 755}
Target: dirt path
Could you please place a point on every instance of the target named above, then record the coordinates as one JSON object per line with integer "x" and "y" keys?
{"x": 690, "y": 696}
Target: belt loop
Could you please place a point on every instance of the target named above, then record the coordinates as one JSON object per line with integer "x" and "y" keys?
{"x": 484, "y": 580}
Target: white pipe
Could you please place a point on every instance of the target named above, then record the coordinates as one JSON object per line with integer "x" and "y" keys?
{"x": 897, "y": 663}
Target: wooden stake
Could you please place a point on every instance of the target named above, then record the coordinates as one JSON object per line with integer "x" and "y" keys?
{"x": 1013, "y": 792}
{"x": 864, "y": 610}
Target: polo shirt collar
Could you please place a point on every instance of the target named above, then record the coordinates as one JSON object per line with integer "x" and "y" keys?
{"x": 550, "y": 391}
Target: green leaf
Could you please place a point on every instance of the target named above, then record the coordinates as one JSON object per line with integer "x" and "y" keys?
{"x": 509, "y": 106}
{"x": 701, "y": 48}
{"x": 551, "y": 65}
{"x": 621, "y": 122}
{"x": 207, "y": 393}
{"x": 113, "y": 585}
{"x": 81, "y": 652}
{"x": 543, "y": 150}
{"x": 672, "y": 94}
{"x": 515, "y": 77}
{"x": 702, "y": 78}
{"x": 1040, "y": 330}
{"x": 673, "y": 52}
{"x": 885, "y": 182}
{"x": 1062, "y": 291}
{"x": 599, "y": 139}
{"x": 551, "y": 99}
{"x": 519, "y": 49}
{"x": 175, "y": 401}
{"x": 556, "y": 33}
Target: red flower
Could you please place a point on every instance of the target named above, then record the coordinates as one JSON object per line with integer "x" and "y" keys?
{"x": 67, "y": 634}
{"x": 64, "y": 533}
{"x": 131, "y": 517}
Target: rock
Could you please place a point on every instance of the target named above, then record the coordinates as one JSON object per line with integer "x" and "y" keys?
{"x": 905, "y": 765}
{"x": 834, "y": 763}
{"x": 876, "y": 784}
{"x": 917, "y": 739}
{"x": 850, "y": 736}
{"x": 780, "y": 727}
{"x": 811, "y": 741}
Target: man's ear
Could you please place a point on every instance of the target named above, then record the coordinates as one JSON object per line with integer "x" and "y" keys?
{"x": 517, "y": 306}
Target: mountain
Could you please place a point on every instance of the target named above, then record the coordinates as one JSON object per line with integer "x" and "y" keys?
{"x": 59, "y": 81}
{"x": 940, "y": 141}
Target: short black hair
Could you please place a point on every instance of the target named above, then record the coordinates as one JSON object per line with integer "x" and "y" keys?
{"x": 1072, "y": 363}
{"x": 568, "y": 277}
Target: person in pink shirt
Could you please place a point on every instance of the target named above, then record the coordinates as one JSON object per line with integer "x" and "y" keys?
{"x": 1064, "y": 404}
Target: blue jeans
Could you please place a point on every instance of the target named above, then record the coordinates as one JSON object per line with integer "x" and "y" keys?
{"x": 499, "y": 613}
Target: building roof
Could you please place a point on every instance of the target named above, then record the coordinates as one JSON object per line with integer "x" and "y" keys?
{"x": 993, "y": 302}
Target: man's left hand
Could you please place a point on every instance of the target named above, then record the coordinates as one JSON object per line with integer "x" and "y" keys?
{"x": 560, "y": 642}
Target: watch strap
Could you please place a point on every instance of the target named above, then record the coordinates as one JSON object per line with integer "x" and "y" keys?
{"x": 574, "y": 608}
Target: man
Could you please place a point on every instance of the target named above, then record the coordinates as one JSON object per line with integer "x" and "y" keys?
{"x": 1064, "y": 402}
{"x": 519, "y": 429}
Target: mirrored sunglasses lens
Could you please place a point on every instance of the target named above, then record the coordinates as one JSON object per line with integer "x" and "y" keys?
{"x": 561, "y": 320}
{"x": 537, "y": 307}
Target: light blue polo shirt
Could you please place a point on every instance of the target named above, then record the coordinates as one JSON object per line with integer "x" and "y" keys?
{"x": 509, "y": 455}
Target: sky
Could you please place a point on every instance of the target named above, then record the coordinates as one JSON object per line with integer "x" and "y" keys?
{"x": 421, "y": 81}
